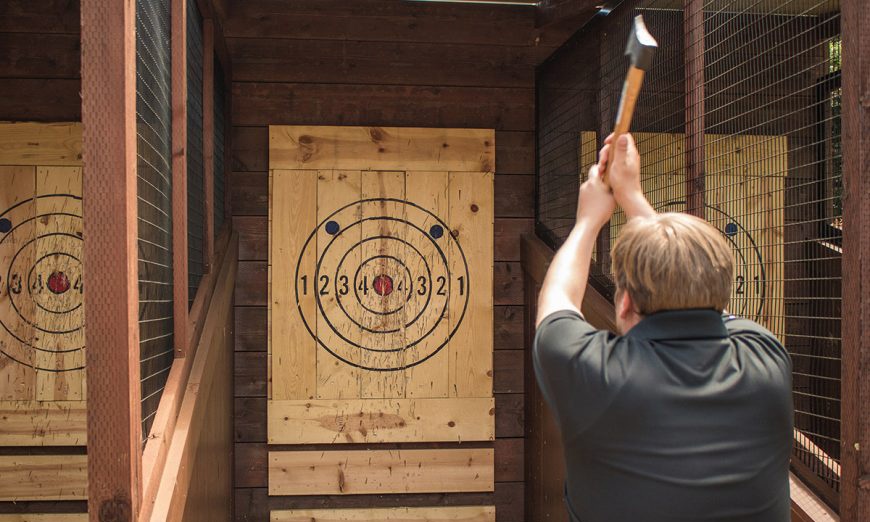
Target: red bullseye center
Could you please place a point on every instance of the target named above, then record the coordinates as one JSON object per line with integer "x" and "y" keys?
{"x": 383, "y": 285}
{"x": 58, "y": 282}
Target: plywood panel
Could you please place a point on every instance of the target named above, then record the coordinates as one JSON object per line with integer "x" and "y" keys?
{"x": 380, "y": 471}
{"x": 30, "y": 423}
{"x": 381, "y": 148}
{"x": 470, "y": 218}
{"x": 382, "y": 256}
{"x": 292, "y": 350}
{"x": 430, "y": 191}
{"x": 381, "y": 420}
{"x": 425, "y": 514}
{"x": 43, "y": 477}
{"x": 41, "y": 144}
{"x": 335, "y": 190}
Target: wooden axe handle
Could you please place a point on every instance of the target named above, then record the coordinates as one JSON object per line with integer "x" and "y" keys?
{"x": 630, "y": 91}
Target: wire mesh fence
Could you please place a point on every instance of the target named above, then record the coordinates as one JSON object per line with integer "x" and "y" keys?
{"x": 195, "y": 190}
{"x": 220, "y": 101}
{"x": 154, "y": 191}
{"x": 739, "y": 123}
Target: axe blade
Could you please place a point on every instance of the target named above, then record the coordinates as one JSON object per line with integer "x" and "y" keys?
{"x": 641, "y": 45}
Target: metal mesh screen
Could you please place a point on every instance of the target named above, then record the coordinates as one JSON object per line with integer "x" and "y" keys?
{"x": 195, "y": 189}
{"x": 753, "y": 145}
{"x": 219, "y": 136}
{"x": 154, "y": 188}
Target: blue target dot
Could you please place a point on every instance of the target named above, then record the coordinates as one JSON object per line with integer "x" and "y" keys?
{"x": 5, "y": 225}
{"x": 332, "y": 227}
{"x": 436, "y": 231}
{"x": 730, "y": 229}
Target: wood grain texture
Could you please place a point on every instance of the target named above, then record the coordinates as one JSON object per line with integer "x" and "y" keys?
{"x": 380, "y": 471}
{"x": 381, "y": 148}
{"x": 45, "y": 517}
{"x": 43, "y": 423}
{"x": 293, "y": 352}
{"x": 407, "y": 106}
{"x": 471, "y": 222}
{"x": 431, "y": 514}
{"x": 41, "y": 144}
{"x": 43, "y": 477}
{"x": 381, "y": 420}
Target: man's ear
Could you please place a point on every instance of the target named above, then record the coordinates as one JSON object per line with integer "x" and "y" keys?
{"x": 625, "y": 306}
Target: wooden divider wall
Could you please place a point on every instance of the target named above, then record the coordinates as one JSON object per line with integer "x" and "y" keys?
{"x": 382, "y": 63}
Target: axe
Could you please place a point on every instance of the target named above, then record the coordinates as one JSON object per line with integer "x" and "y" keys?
{"x": 641, "y": 48}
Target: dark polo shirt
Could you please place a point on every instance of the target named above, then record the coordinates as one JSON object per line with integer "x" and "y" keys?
{"x": 687, "y": 417}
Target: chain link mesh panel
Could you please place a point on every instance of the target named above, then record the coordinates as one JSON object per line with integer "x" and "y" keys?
{"x": 738, "y": 122}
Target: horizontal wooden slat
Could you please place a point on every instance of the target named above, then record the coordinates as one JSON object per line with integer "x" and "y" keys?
{"x": 45, "y": 16}
{"x": 43, "y": 477}
{"x": 383, "y": 63}
{"x": 396, "y": 105}
{"x": 31, "y": 423}
{"x": 41, "y": 144}
{"x": 383, "y": 21}
{"x": 39, "y": 55}
{"x": 40, "y": 99}
{"x": 426, "y": 514}
{"x": 514, "y": 150}
{"x": 45, "y": 517}
{"x": 252, "y": 504}
{"x": 380, "y": 471}
{"x": 381, "y": 148}
{"x": 381, "y": 420}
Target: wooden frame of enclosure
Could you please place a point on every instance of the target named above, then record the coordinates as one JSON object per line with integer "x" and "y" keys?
{"x": 543, "y": 448}
{"x": 124, "y": 482}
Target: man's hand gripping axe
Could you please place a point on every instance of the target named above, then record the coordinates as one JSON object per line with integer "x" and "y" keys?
{"x": 641, "y": 48}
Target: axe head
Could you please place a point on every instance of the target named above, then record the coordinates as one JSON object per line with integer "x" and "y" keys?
{"x": 641, "y": 45}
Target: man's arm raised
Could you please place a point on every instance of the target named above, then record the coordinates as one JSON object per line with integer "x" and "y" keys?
{"x": 565, "y": 284}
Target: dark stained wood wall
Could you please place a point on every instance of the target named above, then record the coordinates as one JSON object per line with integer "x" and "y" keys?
{"x": 40, "y": 73}
{"x": 381, "y": 62}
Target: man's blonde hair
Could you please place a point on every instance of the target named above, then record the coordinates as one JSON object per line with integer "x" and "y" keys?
{"x": 673, "y": 261}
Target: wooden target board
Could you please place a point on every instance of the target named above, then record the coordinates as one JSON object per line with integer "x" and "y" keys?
{"x": 42, "y": 338}
{"x": 380, "y": 282}
{"x": 744, "y": 187}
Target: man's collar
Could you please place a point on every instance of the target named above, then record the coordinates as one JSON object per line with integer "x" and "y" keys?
{"x": 681, "y": 324}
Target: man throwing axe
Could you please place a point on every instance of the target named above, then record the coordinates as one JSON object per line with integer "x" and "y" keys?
{"x": 684, "y": 414}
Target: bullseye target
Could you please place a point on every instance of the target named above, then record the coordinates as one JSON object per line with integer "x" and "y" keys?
{"x": 41, "y": 287}
{"x": 390, "y": 282}
{"x": 749, "y": 290}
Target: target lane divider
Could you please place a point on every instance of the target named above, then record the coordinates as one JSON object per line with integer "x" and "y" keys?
{"x": 401, "y": 514}
{"x": 381, "y": 420}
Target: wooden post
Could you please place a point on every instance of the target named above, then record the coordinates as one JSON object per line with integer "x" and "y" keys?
{"x": 693, "y": 49}
{"x": 179, "y": 174}
{"x": 855, "y": 412}
{"x": 111, "y": 256}
{"x": 208, "y": 139}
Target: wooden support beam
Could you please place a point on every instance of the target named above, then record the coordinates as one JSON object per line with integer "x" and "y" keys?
{"x": 855, "y": 412}
{"x": 179, "y": 174}
{"x": 111, "y": 255}
{"x": 693, "y": 48}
